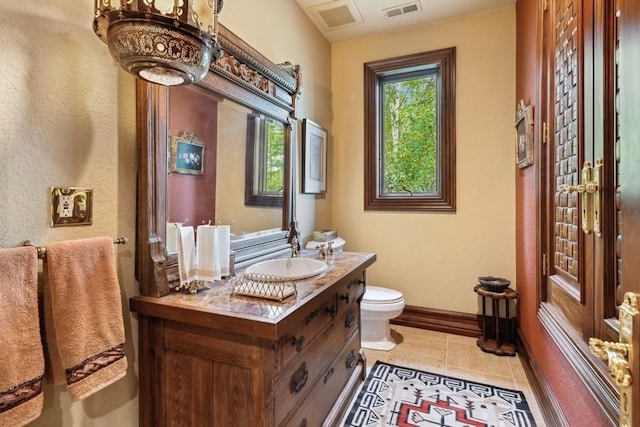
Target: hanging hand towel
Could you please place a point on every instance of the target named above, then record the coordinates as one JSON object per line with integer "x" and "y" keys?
{"x": 206, "y": 253}
{"x": 83, "y": 315}
{"x": 186, "y": 254}
{"x": 21, "y": 358}
{"x": 172, "y": 237}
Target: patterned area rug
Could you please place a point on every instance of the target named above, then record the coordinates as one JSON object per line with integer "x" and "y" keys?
{"x": 396, "y": 396}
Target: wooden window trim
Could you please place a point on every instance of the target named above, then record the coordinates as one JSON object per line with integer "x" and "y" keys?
{"x": 445, "y": 199}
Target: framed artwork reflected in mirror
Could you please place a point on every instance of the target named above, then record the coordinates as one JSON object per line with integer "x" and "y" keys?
{"x": 187, "y": 155}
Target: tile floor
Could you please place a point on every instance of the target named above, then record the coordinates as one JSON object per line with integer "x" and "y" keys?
{"x": 456, "y": 356}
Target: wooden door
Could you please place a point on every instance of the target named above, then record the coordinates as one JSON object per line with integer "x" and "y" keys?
{"x": 567, "y": 281}
{"x": 590, "y": 237}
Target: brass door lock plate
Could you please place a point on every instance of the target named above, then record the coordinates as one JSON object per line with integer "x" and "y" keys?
{"x": 622, "y": 358}
{"x": 71, "y": 206}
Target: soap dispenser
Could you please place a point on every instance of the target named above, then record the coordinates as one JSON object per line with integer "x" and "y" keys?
{"x": 329, "y": 255}
{"x": 322, "y": 255}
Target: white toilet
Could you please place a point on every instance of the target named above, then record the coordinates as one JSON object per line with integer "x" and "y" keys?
{"x": 378, "y": 306}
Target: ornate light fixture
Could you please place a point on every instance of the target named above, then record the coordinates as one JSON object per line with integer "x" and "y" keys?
{"x": 169, "y": 42}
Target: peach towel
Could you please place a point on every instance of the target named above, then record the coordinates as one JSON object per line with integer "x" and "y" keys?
{"x": 83, "y": 315}
{"x": 21, "y": 358}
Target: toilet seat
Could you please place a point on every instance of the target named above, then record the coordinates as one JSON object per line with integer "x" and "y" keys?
{"x": 378, "y": 295}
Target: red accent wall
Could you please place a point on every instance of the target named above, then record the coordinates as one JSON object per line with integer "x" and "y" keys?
{"x": 577, "y": 403}
{"x": 193, "y": 197}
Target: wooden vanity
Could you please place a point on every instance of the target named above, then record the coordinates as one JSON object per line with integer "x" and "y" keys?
{"x": 219, "y": 359}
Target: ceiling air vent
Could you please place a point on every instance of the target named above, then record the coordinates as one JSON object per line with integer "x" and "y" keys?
{"x": 336, "y": 14}
{"x": 402, "y": 9}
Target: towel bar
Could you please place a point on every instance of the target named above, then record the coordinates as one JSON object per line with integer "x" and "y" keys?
{"x": 42, "y": 251}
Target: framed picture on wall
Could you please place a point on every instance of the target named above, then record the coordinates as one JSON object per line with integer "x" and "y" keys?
{"x": 314, "y": 158}
{"x": 524, "y": 135}
{"x": 187, "y": 155}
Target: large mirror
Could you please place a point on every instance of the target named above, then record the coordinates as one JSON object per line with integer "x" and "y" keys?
{"x": 235, "y": 172}
{"x": 217, "y": 152}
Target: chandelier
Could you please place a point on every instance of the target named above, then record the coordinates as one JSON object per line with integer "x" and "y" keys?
{"x": 168, "y": 42}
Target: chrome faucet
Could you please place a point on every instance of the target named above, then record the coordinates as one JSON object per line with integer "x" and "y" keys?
{"x": 294, "y": 247}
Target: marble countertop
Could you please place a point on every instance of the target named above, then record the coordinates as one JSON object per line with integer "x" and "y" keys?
{"x": 219, "y": 307}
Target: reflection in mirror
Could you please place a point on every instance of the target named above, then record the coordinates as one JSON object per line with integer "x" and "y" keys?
{"x": 243, "y": 152}
{"x": 231, "y": 207}
{"x": 264, "y": 180}
{"x": 191, "y": 199}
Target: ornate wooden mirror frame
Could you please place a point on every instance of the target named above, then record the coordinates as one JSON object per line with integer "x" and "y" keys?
{"x": 242, "y": 75}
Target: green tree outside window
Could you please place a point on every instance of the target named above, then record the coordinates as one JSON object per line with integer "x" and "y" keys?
{"x": 410, "y": 134}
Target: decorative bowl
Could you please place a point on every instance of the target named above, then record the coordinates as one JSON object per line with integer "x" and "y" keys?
{"x": 494, "y": 284}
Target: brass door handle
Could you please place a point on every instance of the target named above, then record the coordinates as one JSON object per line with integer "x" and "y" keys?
{"x": 590, "y": 187}
{"x": 615, "y": 353}
{"x": 589, "y": 190}
{"x": 596, "y": 197}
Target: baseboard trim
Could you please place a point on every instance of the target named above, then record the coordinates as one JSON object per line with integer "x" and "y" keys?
{"x": 548, "y": 404}
{"x": 450, "y": 322}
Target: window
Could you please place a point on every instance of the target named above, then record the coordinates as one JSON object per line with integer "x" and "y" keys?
{"x": 271, "y": 159}
{"x": 410, "y": 132}
{"x": 265, "y": 161}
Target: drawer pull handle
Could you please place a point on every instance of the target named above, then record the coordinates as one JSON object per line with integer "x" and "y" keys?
{"x": 349, "y": 320}
{"x": 310, "y": 317}
{"x": 351, "y": 359}
{"x": 355, "y": 283}
{"x": 299, "y": 378}
{"x": 332, "y": 311}
{"x": 345, "y": 298}
{"x": 328, "y": 375}
{"x": 298, "y": 342}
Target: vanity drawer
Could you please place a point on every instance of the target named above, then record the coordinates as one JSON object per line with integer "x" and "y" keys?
{"x": 350, "y": 291}
{"x": 316, "y": 406}
{"x": 348, "y": 319}
{"x": 308, "y": 326}
{"x": 299, "y": 377}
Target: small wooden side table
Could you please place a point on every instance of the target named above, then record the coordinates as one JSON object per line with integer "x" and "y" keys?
{"x": 501, "y": 340}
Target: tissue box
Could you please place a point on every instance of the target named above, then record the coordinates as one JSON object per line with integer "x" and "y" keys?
{"x": 324, "y": 235}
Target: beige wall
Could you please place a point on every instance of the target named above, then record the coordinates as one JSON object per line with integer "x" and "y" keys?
{"x": 435, "y": 258}
{"x": 67, "y": 118}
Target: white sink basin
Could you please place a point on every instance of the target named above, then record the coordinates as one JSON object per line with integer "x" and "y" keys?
{"x": 289, "y": 268}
